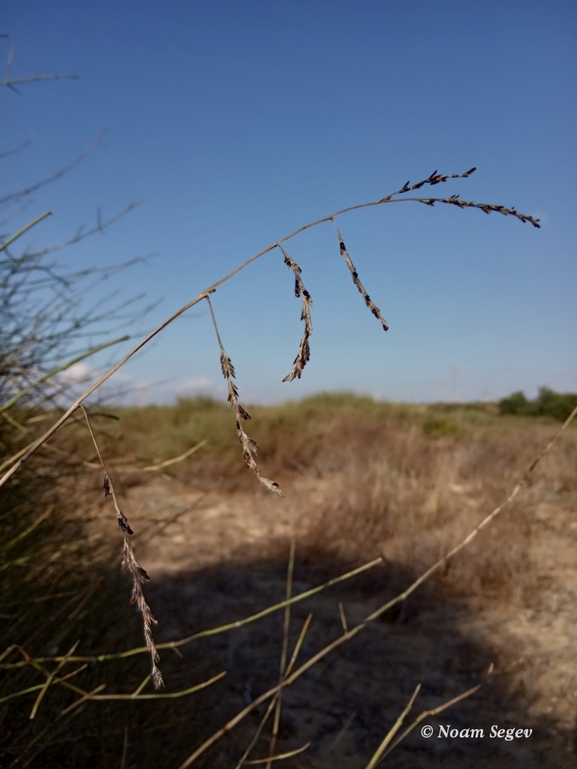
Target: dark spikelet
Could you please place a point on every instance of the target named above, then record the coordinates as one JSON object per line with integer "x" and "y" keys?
{"x": 144, "y": 575}
{"x": 356, "y": 280}
{"x": 123, "y": 523}
{"x": 434, "y": 178}
{"x": 243, "y": 413}
{"x": 304, "y": 352}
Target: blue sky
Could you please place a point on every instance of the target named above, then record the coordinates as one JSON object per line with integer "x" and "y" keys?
{"x": 238, "y": 122}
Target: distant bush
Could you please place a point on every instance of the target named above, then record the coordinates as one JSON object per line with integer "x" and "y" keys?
{"x": 517, "y": 404}
{"x": 548, "y": 403}
{"x": 439, "y": 426}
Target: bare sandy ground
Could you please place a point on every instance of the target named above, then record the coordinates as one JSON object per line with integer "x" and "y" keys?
{"x": 217, "y": 558}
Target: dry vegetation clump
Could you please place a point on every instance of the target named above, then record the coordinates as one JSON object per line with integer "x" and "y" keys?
{"x": 377, "y": 480}
{"x": 401, "y": 492}
{"x": 292, "y": 438}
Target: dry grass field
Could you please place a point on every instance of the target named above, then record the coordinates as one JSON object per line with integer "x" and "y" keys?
{"x": 364, "y": 481}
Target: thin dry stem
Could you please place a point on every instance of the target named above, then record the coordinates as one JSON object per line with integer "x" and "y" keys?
{"x": 433, "y": 179}
{"x": 280, "y": 756}
{"x": 49, "y": 679}
{"x": 243, "y": 760}
{"x": 124, "y": 749}
{"x": 343, "y": 618}
{"x": 393, "y": 730}
{"x": 343, "y": 731}
{"x": 430, "y": 713}
{"x": 284, "y": 650}
{"x": 174, "y": 460}
{"x": 107, "y": 484}
{"x": 135, "y": 696}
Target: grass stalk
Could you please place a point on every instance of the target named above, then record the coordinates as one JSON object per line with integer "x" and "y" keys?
{"x": 432, "y": 180}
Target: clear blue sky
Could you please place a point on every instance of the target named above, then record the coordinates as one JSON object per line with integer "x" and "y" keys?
{"x": 237, "y": 122}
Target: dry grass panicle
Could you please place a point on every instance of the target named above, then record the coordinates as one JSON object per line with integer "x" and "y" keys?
{"x": 249, "y": 447}
{"x": 304, "y": 353}
{"x": 416, "y": 493}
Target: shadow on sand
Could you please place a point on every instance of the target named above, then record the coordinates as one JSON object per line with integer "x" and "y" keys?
{"x": 343, "y": 706}
{"x": 346, "y": 704}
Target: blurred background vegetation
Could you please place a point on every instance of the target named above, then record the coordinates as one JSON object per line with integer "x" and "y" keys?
{"x": 548, "y": 403}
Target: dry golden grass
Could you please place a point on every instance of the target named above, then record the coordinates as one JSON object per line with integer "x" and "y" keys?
{"x": 398, "y": 480}
{"x": 380, "y": 474}
{"x": 370, "y": 480}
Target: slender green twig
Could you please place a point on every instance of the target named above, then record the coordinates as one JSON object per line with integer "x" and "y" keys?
{"x": 393, "y": 730}
{"x": 188, "y": 639}
{"x": 24, "y": 230}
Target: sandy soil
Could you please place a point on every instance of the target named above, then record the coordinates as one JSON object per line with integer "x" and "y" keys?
{"x": 216, "y": 558}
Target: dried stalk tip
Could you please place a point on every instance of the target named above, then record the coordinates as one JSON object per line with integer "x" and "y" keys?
{"x": 139, "y": 577}
{"x": 454, "y": 200}
{"x": 487, "y": 208}
{"x": 250, "y": 451}
{"x": 249, "y": 447}
{"x": 304, "y": 352}
{"x": 356, "y": 280}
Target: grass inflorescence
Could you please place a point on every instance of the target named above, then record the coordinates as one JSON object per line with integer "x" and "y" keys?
{"x": 371, "y": 475}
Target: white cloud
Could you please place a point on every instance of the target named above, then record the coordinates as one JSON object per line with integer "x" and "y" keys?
{"x": 124, "y": 388}
{"x": 200, "y": 384}
{"x": 78, "y": 372}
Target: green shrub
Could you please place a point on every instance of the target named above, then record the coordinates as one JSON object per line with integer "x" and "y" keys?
{"x": 439, "y": 426}
{"x": 548, "y": 403}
